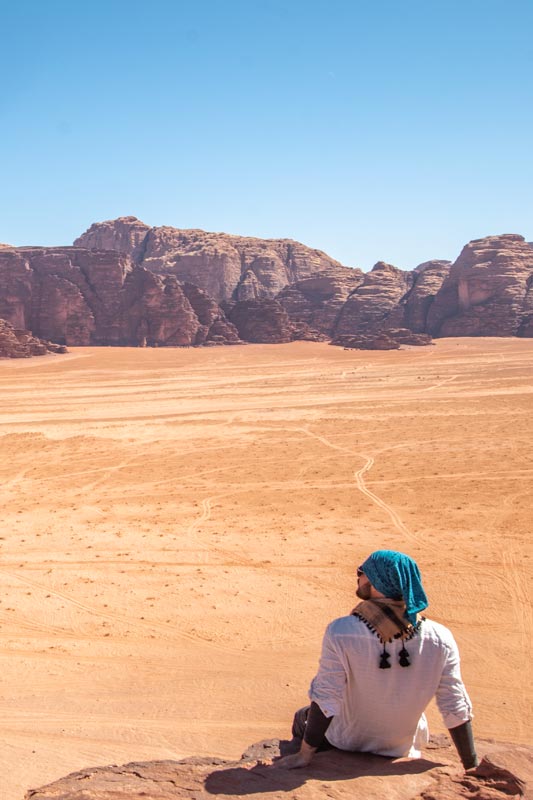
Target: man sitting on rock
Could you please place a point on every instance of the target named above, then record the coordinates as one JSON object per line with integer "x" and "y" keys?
{"x": 380, "y": 666}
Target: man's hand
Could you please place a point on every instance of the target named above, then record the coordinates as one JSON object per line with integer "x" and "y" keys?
{"x": 297, "y": 760}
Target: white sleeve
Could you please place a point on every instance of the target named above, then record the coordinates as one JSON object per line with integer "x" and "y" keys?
{"x": 452, "y": 698}
{"x": 327, "y": 687}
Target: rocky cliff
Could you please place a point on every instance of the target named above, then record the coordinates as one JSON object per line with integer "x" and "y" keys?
{"x": 125, "y": 283}
{"x": 377, "y": 303}
{"x": 318, "y": 301}
{"x": 227, "y": 267}
{"x": 488, "y": 291}
{"x": 506, "y": 771}
{"x": 267, "y": 321}
{"x": 76, "y": 296}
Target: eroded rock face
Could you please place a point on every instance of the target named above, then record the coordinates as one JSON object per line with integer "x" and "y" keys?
{"x": 125, "y": 234}
{"x": 317, "y": 302}
{"x": 505, "y": 771}
{"x": 429, "y": 278}
{"x": 226, "y": 267}
{"x": 168, "y": 286}
{"x": 488, "y": 291}
{"x": 376, "y": 304}
{"x": 80, "y": 297}
{"x": 262, "y": 321}
{"x": 23, "y": 344}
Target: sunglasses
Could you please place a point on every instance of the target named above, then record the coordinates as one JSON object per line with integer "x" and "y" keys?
{"x": 359, "y": 572}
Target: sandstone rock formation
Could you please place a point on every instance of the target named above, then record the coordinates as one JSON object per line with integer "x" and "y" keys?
{"x": 125, "y": 234}
{"x": 128, "y": 284}
{"x": 429, "y": 278}
{"x": 76, "y": 296}
{"x": 22, "y": 344}
{"x": 266, "y": 321}
{"x": 390, "y": 339}
{"x": 378, "y": 303}
{"x": 317, "y": 301}
{"x": 506, "y": 771}
{"x": 488, "y": 291}
{"x": 226, "y": 267}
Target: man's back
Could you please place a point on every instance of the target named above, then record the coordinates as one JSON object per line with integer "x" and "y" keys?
{"x": 379, "y": 669}
{"x": 381, "y": 710}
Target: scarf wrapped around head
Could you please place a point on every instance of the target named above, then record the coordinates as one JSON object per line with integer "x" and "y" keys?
{"x": 397, "y": 576}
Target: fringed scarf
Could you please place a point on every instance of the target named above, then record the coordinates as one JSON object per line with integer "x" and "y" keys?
{"x": 385, "y": 618}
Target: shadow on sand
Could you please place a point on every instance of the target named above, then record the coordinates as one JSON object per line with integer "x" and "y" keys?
{"x": 331, "y": 765}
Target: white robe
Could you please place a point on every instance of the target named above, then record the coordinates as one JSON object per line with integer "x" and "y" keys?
{"x": 381, "y": 710}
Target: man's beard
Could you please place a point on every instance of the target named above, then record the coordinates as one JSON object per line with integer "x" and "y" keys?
{"x": 363, "y": 592}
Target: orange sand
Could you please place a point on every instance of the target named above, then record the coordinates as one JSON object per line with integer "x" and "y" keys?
{"x": 180, "y": 525}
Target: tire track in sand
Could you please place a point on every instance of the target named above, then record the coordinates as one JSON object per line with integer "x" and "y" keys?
{"x": 132, "y": 624}
{"x": 362, "y": 487}
{"x": 394, "y": 516}
{"x": 396, "y": 519}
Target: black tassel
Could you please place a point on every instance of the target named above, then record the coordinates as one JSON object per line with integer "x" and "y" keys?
{"x": 384, "y": 660}
{"x": 404, "y": 657}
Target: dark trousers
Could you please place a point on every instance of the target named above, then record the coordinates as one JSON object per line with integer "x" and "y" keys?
{"x": 298, "y": 727}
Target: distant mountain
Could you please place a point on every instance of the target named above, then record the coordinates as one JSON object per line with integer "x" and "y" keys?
{"x": 124, "y": 283}
{"x": 226, "y": 267}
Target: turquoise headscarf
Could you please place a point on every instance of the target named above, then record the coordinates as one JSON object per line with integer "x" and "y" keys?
{"x": 397, "y": 576}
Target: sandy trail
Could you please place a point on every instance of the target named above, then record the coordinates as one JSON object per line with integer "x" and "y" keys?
{"x": 180, "y": 525}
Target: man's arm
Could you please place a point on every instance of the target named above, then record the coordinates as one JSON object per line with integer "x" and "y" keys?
{"x": 455, "y": 707}
{"x": 326, "y": 693}
{"x": 315, "y": 729}
{"x": 463, "y": 739}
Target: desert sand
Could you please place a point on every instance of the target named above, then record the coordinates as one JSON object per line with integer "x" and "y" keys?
{"x": 180, "y": 525}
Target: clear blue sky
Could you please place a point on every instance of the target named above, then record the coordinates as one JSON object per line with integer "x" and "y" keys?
{"x": 391, "y": 130}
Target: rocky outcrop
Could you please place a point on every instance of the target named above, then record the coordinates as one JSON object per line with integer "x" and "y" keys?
{"x": 488, "y": 291}
{"x": 428, "y": 279}
{"x": 228, "y": 268}
{"x": 505, "y": 771}
{"x": 317, "y": 302}
{"x": 266, "y": 321}
{"x": 125, "y": 234}
{"x": 378, "y": 303}
{"x": 23, "y": 344}
{"x": 163, "y": 285}
{"x": 391, "y": 339}
{"x": 76, "y": 296}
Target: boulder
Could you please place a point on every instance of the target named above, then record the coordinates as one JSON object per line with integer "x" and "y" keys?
{"x": 390, "y": 339}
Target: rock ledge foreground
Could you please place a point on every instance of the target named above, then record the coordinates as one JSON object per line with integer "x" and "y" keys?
{"x": 506, "y": 771}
